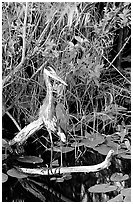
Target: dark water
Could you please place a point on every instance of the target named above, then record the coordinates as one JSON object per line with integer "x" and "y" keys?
{"x": 75, "y": 189}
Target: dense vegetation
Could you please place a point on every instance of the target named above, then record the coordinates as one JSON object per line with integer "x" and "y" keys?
{"x": 89, "y": 47}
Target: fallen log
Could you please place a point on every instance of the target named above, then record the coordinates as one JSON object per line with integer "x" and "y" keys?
{"x": 27, "y": 131}
{"x": 73, "y": 169}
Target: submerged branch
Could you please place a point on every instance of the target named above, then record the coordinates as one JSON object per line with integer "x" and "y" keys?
{"x": 74, "y": 169}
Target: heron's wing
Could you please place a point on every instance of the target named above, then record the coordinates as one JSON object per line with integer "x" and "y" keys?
{"x": 62, "y": 117}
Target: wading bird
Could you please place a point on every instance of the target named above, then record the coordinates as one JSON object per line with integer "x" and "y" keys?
{"x": 47, "y": 110}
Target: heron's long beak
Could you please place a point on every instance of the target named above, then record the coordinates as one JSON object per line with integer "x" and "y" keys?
{"x": 56, "y": 77}
{"x": 53, "y": 75}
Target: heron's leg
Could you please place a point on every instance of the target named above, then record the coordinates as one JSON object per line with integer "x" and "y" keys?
{"x": 62, "y": 139}
{"x": 51, "y": 139}
{"x": 61, "y": 155}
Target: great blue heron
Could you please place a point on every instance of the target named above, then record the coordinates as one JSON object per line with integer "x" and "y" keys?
{"x": 47, "y": 111}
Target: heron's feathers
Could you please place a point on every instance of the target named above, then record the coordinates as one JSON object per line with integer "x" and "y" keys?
{"x": 61, "y": 135}
{"x": 62, "y": 117}
{"x": 50, "y": 124}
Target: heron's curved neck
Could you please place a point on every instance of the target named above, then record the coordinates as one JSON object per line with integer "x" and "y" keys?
{"x": 49, "y": 91}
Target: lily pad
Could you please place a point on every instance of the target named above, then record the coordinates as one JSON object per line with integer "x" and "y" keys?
{"x": 93, "y": 141}
{"x": 102, "y": 188}
{"x": 127, "y": 198}
{"x": 104, "y": 149}
{"x": 63, "y": 149}
{"x": 76, "y": 139}
{"x": 30, "y": 159}
{"x": 112, "y": 144}
{"x": 4, "y": 143}
{"x": 126, "y": 192}
{"x": 118, "y": 198}
{"x": 4, "y": 178}
{"x": 119, "y": 177}
{"x": 77, "y": 144}
{"x": 14, "y": 173}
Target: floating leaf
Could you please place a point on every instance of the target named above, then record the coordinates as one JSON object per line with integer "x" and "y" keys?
{"x": 4, "y": 143}
{"x": 127, "y": 198}
{"x": 103, "y": 149}
{"x": 112, "y": 144}
{"x": 63, "y": 149}
{"x": 102, "y": 188}
{"x": 126, "y": 191}
{"x": 119, "y": 177}
{"x": 118, "y": 198}
{"x": 76, "y": 144}
{"x": 76, "y": 139}
{"x": 90, "y": 136}
{"x": 14, "y": 173}
{"x": 30, "y": 159}
{"x": 110, "y": 141}
{"x": 125, "y": 177}
{"x": 93, "y": 140}
{"x": 4, "y": 178}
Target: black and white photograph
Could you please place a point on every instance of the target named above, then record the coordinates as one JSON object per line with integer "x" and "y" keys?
{"x": 66, "y": 101}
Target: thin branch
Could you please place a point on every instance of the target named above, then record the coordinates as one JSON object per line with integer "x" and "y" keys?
{"x": 14, "y": 121}
{"x": 111, "y": 63}
{"x": 63, "y": 170}
{"x": 116, "y": 69}
{"x": 119, "y": 52}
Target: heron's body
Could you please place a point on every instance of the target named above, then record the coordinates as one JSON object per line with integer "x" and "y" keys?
{"x": 47, "y": 112}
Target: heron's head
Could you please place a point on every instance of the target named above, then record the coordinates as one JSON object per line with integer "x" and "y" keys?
{"x": 51, "y": 73}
